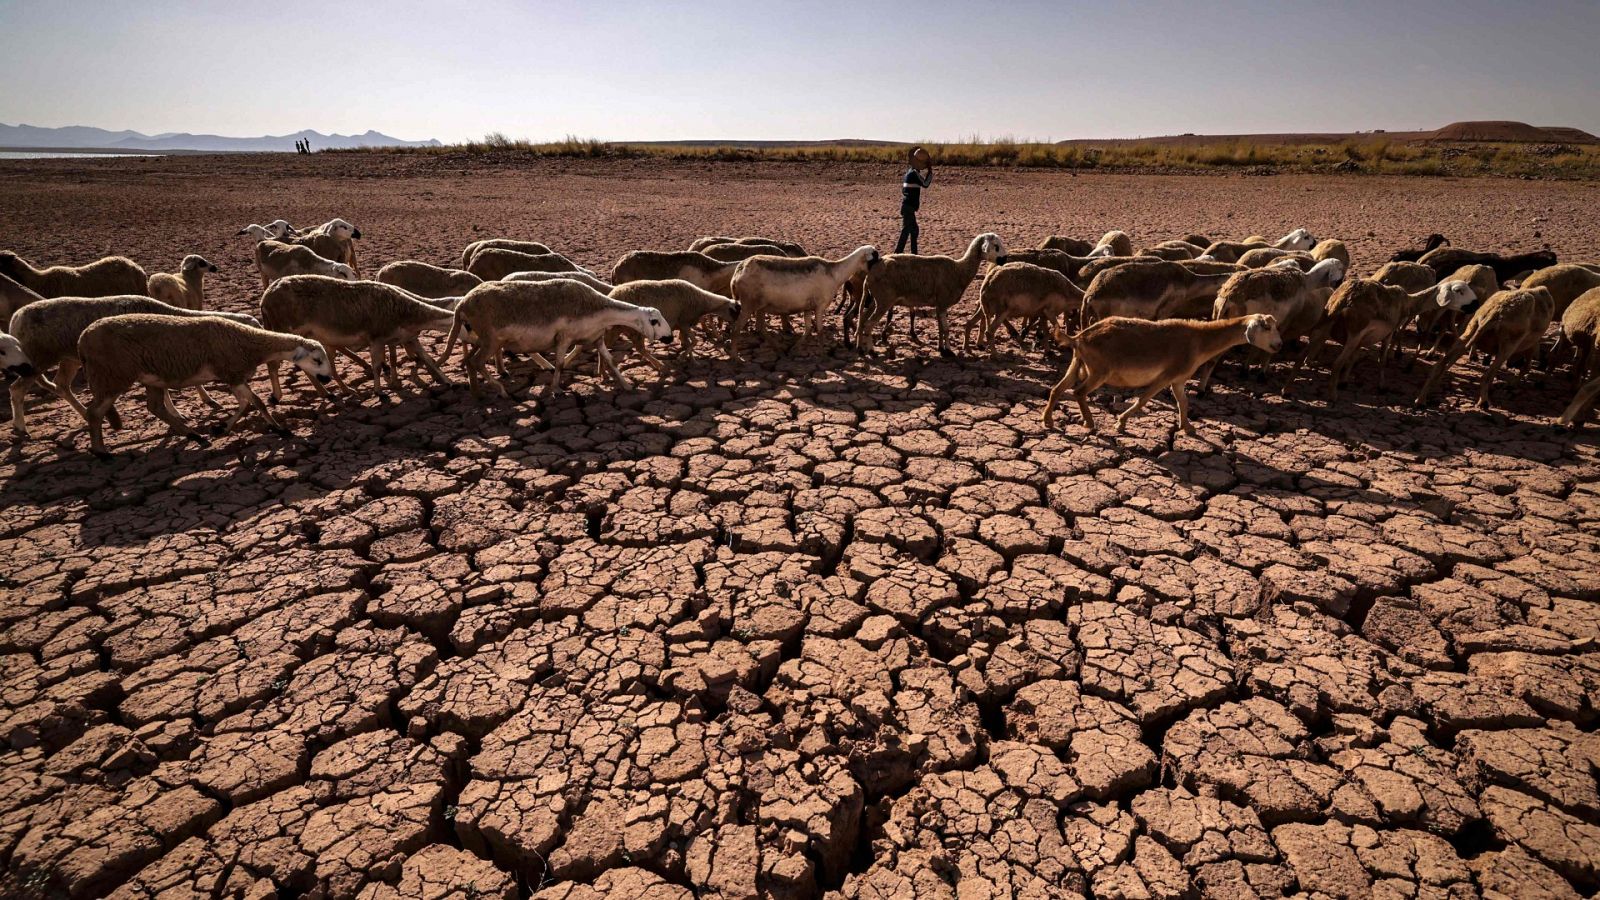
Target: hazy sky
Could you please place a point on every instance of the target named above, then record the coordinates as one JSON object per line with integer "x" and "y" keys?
{"x": 713, "y": 69}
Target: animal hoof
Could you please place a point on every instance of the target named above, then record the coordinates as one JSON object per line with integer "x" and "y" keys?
{"x": 947, "y": 353}
{"x": 201, "y": 439}
{"x": 103, "y": 455}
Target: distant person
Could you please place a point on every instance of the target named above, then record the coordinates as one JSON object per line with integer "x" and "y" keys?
{"x": 919, "y": 176}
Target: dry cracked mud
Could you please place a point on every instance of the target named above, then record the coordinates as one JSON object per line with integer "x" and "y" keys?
{"x": 805, "y": 626}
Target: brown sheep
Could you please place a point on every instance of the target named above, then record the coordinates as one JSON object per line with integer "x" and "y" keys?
{"x": 1019, "y": 290}
{"x": 1363, "y": 312}
{"x": 1151, "y": 357}
{"x": 109, "y": 277}
{"x": 1509, "y": 324}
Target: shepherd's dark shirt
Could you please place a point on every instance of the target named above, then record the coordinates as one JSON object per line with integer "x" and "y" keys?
{"x": 911, "y": 190}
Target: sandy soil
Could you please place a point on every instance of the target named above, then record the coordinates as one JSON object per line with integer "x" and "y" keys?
{"x": 802, "y": 625}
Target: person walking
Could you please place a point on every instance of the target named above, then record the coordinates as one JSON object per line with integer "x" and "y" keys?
{"x": 918, "y": 177}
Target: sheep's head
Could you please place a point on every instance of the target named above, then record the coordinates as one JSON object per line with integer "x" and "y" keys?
{"x": 340, "y": 270}
{"x": 13, "y": 362}
{"x": 731, "y": 310}
{"x": 312, "y": 358}
{"x": 1298, "y": 239}
{"x": 652, "y": 324}
{"x": 1455, "y": 295}
{"x": 260, "y": 233}
{"x": 1261, "y": 331}
{"x": 280, "y": 228}
{"x": 1327, "y": 273}
{"x": 197, "y": 263}
{"x": 992, "y": 248}
{"x": 342, "y": 230}
{"x": 867, "y": 256}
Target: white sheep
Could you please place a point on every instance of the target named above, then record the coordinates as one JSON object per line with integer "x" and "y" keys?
{"x": 427, "y": 281}
{"x": 164, "y": 354}
{"x": 682, "y": 304}
{"x": 360, "y": 314}
{"x": 111, "y": 276}
{"x": 549, "y": 317}
{"x": 493, "y": 263}
{"x": 186, "y": 288}
{"x": 48, "y": 332}
{"x": 904, "y": 279}
{"x": 787, "y": 285}
{"x": 13, "y": 296}
{"x": 1019, "y": 290}
{"x": 603, "y": 287}
{"x": 276, "y": 260}
{"x": 665, "y": 265}
{"x": 532, "y": 247}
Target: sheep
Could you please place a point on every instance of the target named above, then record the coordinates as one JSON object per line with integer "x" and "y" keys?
{"x": 334, "y": 239}
{"x": 1150, "y": 357}
{"x": 1363, "y": 312}
{"x": 1409, "y": 275}
{"x": 1113, "y": 243}
{"x": 546, "y": 317}
{"x": 427, "y": 281}
{"x": 186, "y": 288}
{"x": 275, "y": 260}
{"x": 1260, "y": 257}
{"x": 472, "y": 249}
{"x": 1293, "y": 298}
{"x": 14, "y": 362}
{"x": 663, "y": 265}
{"x": 711, "y": 241}
{"x": 1582, "y": 404}
{"x": 344, "y": 314}
{"x": 1331, "y": 248}
{"x": 741, "y": 252}
{"x": 493, "y": 263}
{"x": 1065, "y": 244}
{"x": 1085, "y": 274}
{"x": 1566, "y": 283}
{"x": 904, "y": 279}
{"x": 1059, "y": 260}
{"x": 1580, "y": 327}
{"x": 1173, "y": 250}
{"x": 1448, "y": 259}
{"x": 325, "y": 245}
{"x": 49, "y": 330}
{"x": 1445, "y": 322}
{"x": 1230, "y": 251}
{"x": 1429, "y": 244}
{"x": 1152, "y": 290}
{"x": 1020, "y": 290}
{"x": 787, "y": 285}
{"x": 166, "y": 354}
{"x": 13, "y": 297}
{"x": 584, "y": 277}
{"x": 1509, "y": 324}
{"x": 108, "y": 277}
{"x": 682, "y": 304}
{"x": 275, "y": 230}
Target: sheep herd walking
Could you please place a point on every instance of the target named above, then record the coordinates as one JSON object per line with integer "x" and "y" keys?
{"x": 1145, "y": 320}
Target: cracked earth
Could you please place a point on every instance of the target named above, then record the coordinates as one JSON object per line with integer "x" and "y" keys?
{"x": 803, "y": 626}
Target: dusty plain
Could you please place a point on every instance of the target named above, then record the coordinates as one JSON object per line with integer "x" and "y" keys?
{"x": 807, "y": 624}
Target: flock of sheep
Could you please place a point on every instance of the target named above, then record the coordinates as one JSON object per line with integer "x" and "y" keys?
{"x": 1147, "y": 321}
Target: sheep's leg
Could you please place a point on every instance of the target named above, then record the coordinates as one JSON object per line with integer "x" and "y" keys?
{"x": 414, "y": 347}
{"x": 277, "y": 385}
{"x": 19, "y": 406}
{"x": 737, "y": 328}
{"x": 65, "y": 375}
{"x": 1582, "y": 401}
{"x": 1055, "y": 393}
{"x": 1488, "y": 377}
{"x": 1314, "y": 346}
{"x": 640, "y": 346}
{"x": 243, "y": 393}
{"x": 942, "y": 317}
{"x": 1457, "y": 350}
{"x": 610, "y": 364}
{"x": 1343, "y": 361}
{"x": 206, "y": 396}
{"x": 975, "y": 321}
{"x": 686, "y": 336}
{"x": 561, "y": 347}
{"x": 1136, "y": 407}
{"x": 94, "y": 414}
{"x": 1087, "y": 387}
{"x": 160, "y": 406}
{"x": 1181, "y": 398}
{"x": 1205, "y": 376}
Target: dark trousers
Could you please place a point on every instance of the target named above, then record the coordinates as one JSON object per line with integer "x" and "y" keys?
{"x": 908, "y": 229}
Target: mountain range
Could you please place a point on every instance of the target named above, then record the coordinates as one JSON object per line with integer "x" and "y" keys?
{"x": 81, "y": 137}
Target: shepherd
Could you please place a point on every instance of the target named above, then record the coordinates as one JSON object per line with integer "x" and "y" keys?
{"x": 919, "y": 176}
